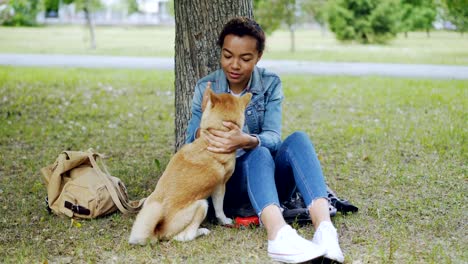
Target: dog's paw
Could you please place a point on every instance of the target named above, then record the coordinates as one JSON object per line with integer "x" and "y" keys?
{"x": 191, "y": 234}
{"x": 225, "y": 221}
{"x": 203, "y": 231}
{"x": 137, "y": 241}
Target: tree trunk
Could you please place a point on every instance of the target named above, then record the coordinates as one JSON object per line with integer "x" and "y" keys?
{"x": 323, "y": 30}
{"x": 198, "y": 23}
{"x": 90, "y": 24}
{"x": 293, "y": 38}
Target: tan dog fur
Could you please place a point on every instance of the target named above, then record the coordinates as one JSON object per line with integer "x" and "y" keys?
{"x": 178, "y": 205}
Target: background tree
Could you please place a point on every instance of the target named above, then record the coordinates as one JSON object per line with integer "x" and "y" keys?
{"x": 88, "y": 6}
{"x": 425, "y": 16}
{"x": 19, "y": 12}
{"x": 271, "y": 14}
{"x": 457, "y": 13}
{"x": 51, "y": 8}
{"x": 198, "y": 23}
{"x": 317, "y": 10}
{"x": 417, "y": 15}
{"x": 132, "y": 6}
{"x": 291, "y": 19}
{"x": 406, "y": 22}
{"x": 364, "y": 21}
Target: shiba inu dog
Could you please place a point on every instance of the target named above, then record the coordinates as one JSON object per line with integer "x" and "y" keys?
{"x": 178, "y": 205}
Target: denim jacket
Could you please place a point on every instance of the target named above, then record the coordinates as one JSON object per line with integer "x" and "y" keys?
{"x": 262, "y": 115}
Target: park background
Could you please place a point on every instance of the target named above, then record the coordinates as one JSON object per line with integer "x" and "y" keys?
{"x": 395, "y": 147}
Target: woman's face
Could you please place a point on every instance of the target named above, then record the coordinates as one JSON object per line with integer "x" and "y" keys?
{"x": 238, "y": 58}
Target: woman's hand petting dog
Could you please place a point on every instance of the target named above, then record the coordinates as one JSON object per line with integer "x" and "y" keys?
{"x": 226, "y": 142}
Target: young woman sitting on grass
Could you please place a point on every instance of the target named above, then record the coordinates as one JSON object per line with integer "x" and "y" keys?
{"x": 266, "y": 168}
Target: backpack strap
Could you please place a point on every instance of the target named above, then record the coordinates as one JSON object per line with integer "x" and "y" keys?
{"x": 115, "y": 189}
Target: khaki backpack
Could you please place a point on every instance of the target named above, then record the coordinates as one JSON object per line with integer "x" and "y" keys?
{"x": 78, "y": 187}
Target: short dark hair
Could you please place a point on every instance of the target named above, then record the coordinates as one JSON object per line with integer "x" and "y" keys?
{"x": 243, "y": 26}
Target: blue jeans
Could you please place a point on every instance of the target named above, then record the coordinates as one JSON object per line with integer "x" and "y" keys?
{"x": 265, "y": 179}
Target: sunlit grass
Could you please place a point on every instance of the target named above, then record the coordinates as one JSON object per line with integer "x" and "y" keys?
{"x": 439, "y": 48}
{"x": 394, "y": 147}
{"x": 117, "y": 41}
{"x": 310, "y": 44}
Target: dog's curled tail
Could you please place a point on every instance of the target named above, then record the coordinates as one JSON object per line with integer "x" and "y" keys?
{"x": 145, "y": 223}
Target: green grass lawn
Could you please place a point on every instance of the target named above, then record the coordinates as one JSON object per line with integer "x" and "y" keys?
{"x": 397, "y": 148}
{"x": 441, "y": 48}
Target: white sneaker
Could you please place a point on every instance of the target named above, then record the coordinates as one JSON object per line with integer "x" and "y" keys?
{"x": 327, "y": 237}
{"x": 289, "y": 247}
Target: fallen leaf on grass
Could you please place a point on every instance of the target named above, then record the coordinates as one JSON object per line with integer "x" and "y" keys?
{"x": 75, "y": 223}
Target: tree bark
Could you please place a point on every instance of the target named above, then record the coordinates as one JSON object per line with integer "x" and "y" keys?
{"x": 198, "y": 23}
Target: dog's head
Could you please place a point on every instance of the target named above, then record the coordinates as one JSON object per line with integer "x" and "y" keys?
{"x": 223, "y": 107}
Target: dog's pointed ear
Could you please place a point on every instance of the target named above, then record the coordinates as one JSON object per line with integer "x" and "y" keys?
{"x": 245, "y": 99}
{"x": 214, "y": 99}
{"x": 206, "y": 96}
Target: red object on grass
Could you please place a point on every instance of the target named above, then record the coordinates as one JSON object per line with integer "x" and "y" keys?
{"x": 246, "y": 221}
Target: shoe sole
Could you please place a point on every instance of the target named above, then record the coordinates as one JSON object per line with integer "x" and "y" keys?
{"x": 297, "y": 258}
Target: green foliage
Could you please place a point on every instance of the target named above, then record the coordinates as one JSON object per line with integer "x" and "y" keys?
{"x": 51, "y": 5}
{"x": 272, "y": 13}
{"x": 317, "y": 9}
{"x": 269, "y": 13}
{"x": 132, "y": 6}
{"x": 458, "y": 14}
{"x": 20, "y": 13}
{"x": 85, "y": 4}
{"x": 364, "y": 21}
{"x": 417, "y": 15}
{"x": 170, "y": 8}
{"x": 424, "y": 17}
{"x": 406, "y": 15}
{"x": 340, "y": 20}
